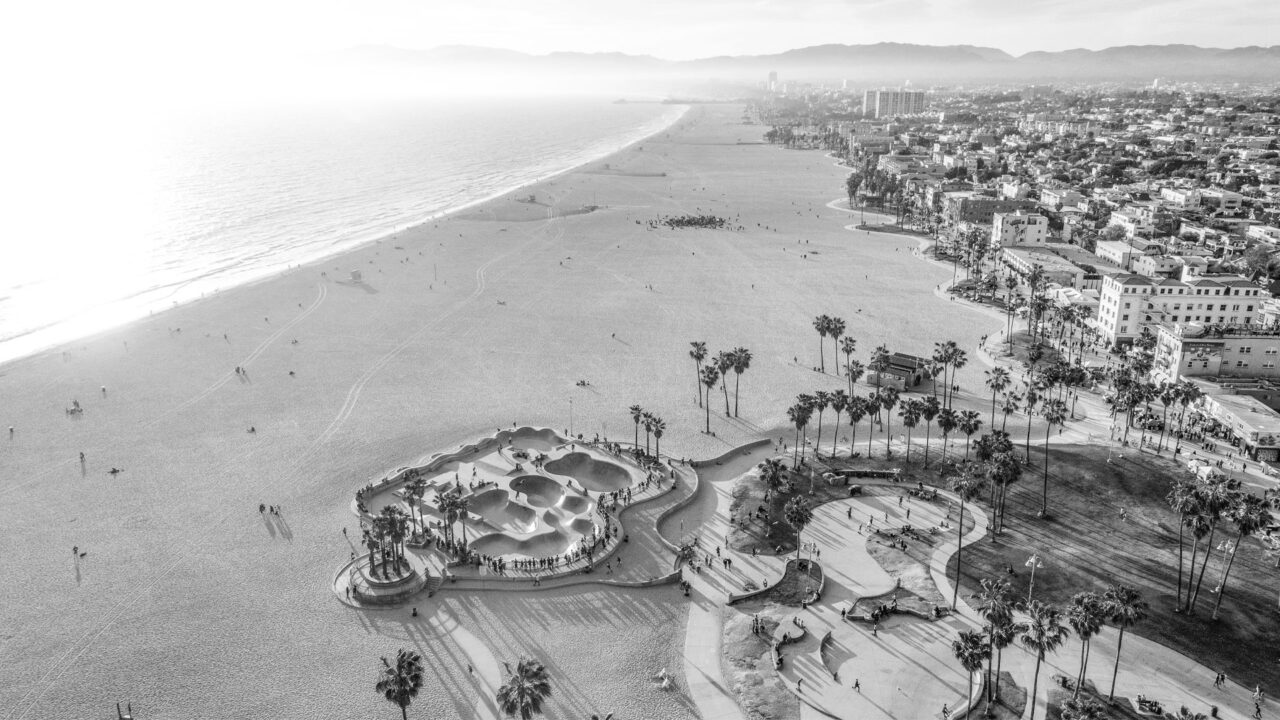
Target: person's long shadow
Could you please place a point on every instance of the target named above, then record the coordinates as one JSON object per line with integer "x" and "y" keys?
{"x": 271, "y": 528}
{"x": 78, "y": 576}
{"x": 285, "y": 531}
{"x": 359, "y": 284}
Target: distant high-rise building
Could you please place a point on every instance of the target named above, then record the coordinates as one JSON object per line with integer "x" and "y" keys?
{"x": 1155, "y": 84}
{"x": 888, "y": 103}
{"x": 773, "y": 80}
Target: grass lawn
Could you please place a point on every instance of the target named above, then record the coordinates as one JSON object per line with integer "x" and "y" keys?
{"x": 799, "y": 581}
{"x": 1086, "y": 545}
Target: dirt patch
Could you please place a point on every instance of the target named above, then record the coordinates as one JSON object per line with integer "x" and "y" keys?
{"x": 907, "y": 601}
{"x": 1121, "y": 710}
{"x": 748, "y": 664}
{"x": 799, "y": 581}
{"x": 1010, "y": 706}
{"x": 908, "y": 565}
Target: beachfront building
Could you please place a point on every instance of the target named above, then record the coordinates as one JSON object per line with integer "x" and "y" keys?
{"x": 1129, "y": 303}
{"x": 1018, "y": 228}
{"x": 1022, "y": 260}
{"x": 884, "y": 103}
{"x": 969, "y": 206}
{"x": 1199, "y": 350}
{"x": 1254, "y": 425}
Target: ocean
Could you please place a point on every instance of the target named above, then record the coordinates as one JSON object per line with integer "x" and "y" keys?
{"x": 114, "y": 215}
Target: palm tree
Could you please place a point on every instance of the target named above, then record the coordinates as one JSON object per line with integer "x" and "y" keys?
{"x": 741, "y": 363}
{"x": 646, "y": 420}
{"x": 797, "y": 514}
{"x": 873, "y": 408}
{"x": 799, "y": 415}
{"x": 637, "y": 414}
{"x": 454, "y": 508}
{"x": 1216, "y": 496}
{"x": 698, "y": 353}
{"x": 822, "y": 324}
{"x": 1043, "y": 633}
{"x": 959, "y": 358}
{"x": 839, "y": 401}
{"x": 854, "y": 370}
{"x": 835, "y": 328}
{"x": 771, "y": 473}
{"x": 710, "y": 376}
{"x": 1126, "y": 608}
{"x": 413, "y": 494}
{"x": 401, "y": 682}
{"x": 967, "y": 485}
{"x": 1012, "y": 401}
{"x": 970, "y": 423}
{"x": 997, "y": 381}
{"x": 848, "y": 346}
{"x": 821, "y": 401}
{"x": 724, "y": 363}
{"x": 929, "y": 409}
{"x": 1183, "y": 500}
{"x": 996, "y": 611}
{"x": 1033, "y": 399}
{"x": 659, "y": 427}
{"x": 947, "y": 421}
{"x": 1002, "y": 635}
{"x": 1197, "y": 522}
{"x": 1086, "y": 614}
{"x": 970, "y": 650}
{"x": 888, "y": 398}
{"x": 856, "y": 409}
{"x": 909, "y": 413}
{"x": 1249, "y": 515}
{"x": 396, "y": 527}
{"x": 525, "y": 689}
{"x": 879, "y": 361}
{"x": 1055, "y": 413}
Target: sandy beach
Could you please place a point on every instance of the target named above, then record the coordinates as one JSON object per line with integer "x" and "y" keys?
{"x": 189, "y": 605}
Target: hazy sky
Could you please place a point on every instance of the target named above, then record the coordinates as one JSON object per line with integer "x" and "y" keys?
{"x": 133, "y": 30}
{"x": 68, "y": 50}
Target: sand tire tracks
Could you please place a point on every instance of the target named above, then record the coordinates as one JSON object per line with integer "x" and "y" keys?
{"x": 257, "y": 352}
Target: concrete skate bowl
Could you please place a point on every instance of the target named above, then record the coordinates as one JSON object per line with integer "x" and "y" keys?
{"x": 539, "y": 491}
{"x": 577, "y": 505}
{"x": 498, "y": 510}
{"x": 546, "y": 544}
{"x": 527, "y": 438}
{"x": 592, "y": 474}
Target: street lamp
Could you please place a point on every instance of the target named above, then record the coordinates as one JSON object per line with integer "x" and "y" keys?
{"x": 570, "y": 418}
{"x": 1033, "y": 562}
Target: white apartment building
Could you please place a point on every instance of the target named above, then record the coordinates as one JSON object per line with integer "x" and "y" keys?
{"x": 1133, "y": 222}
{"x": 1129, "y": 303}
{"x": 1018, "y": 228}
{"x": 1182, "y": 197}
{"x": 1118, "y": 253}
{"x": 1224, "y": 200}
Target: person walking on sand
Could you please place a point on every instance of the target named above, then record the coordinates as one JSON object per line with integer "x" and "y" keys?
{"x": 857, "y": 685}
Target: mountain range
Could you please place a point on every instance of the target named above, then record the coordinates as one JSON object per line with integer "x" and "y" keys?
{"x": 888, "y": 62}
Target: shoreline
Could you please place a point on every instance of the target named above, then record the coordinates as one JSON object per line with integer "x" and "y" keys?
{"x": 21, "y": 347}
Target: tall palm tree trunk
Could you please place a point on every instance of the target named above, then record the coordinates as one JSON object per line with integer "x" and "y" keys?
{"x": 737, "y": 380}
{"x": 1035, "y": 683}
{"x": 1204, "y": 563}
{"x": 697, "y": 377}
{"x": 1191, "y": 574}
{"x": 1181, "y": 528}
{"x": 955, "y": 589}
{"x": 1084, "y": 647}
{"x": 1116, "y": 670}
{"x": 1222, "y": 588}
{"x": 1044, "y": 493}
{"x": 835, "y": 435}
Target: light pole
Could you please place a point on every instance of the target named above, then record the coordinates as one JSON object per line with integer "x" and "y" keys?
{"x": 1033, "y": 562}
{"x": 570, "y": 418}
